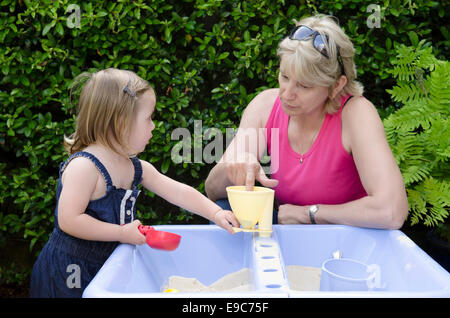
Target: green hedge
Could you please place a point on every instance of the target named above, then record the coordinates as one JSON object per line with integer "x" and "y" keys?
{"x": 206, "y": 60}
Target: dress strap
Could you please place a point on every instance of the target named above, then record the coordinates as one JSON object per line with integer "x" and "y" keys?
{"x": 94, "y": 159}
{"x": 344, "y": 100}
{"x": 137, "y": 171}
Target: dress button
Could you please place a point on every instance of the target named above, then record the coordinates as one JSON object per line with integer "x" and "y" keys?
{"x": 128, "y": 212}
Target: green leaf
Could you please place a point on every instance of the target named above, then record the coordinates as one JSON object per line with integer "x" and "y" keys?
{"x": 102, "y": 13}
{"x": 413, "y": 38}
{"x": 5, "y": 69}
{"x": 167, "y": 35}
{"x": 194, "y": 174}
{"x": 59, "y": 29}
{"x": 388, "y": 43}
{"x": 47, "y": 28}
{"x": 165, "y": 166}
{"x": 223, "y": 55}
{"x": 394, "y": 12}
{"x": 391, "y": 29}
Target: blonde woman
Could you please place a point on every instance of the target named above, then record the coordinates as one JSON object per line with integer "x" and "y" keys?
{"x": 331, "y": 163}
{"x": 98, "y": 184}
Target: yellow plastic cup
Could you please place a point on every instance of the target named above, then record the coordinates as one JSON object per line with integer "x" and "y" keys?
{"x": 251, "y": 207}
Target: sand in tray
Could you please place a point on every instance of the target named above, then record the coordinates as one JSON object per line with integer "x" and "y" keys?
{"x": 237, "y": 281}
{"x": 301, "y": 278}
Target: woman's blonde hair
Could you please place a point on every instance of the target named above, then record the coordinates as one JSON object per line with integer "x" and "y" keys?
{"x": 105, "y": 109}
{"x": 314, "y": 69}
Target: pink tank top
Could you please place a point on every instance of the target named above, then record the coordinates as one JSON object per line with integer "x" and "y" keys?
{"x": 327, "y": 174}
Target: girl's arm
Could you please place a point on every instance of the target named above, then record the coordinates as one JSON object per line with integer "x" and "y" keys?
{"x": 386, "y": 204}
{"x": 185, "y": 197}
{"x": 80, "y": 179}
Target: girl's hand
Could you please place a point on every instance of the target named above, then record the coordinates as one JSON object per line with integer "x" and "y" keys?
{"x": 223, "y": 218}
{"x": 131, "y": 235}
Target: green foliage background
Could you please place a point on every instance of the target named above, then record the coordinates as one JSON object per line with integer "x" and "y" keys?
{"x": 419, "y": 134}
{"x": 206, "y": 60}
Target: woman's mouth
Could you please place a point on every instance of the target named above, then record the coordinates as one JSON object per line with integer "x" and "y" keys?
{"x": 290, "y": 107}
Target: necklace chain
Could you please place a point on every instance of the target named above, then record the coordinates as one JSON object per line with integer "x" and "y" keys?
{"x": 312, "y": 142}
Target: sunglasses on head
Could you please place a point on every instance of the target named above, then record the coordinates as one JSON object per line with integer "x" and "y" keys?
{"x": 303, "y": 32}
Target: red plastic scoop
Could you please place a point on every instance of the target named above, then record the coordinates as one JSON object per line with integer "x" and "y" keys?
{"x": 159, "y": 239}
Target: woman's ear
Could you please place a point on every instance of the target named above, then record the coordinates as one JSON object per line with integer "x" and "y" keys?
{"x": 338, "y": 86}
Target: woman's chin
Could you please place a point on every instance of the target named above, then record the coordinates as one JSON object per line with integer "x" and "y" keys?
{"x": 290, "y": 110}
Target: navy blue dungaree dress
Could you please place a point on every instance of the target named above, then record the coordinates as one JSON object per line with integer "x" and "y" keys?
{"x": 64, "y": 256}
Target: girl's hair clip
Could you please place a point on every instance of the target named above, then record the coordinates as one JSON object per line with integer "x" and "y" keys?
{"x": 127, "y": 90}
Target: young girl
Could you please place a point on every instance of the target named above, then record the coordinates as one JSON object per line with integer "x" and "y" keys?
{"x": 98, "y": 184}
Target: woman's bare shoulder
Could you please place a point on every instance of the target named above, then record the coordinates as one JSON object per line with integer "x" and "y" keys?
{"x": 360, "y": 122}
{"x": 258, "y": 110}
{"x": 358, "y": 108}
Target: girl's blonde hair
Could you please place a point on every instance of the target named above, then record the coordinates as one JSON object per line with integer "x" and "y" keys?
{"x": 106, "y": 108}
{"x": 311, "y": 68}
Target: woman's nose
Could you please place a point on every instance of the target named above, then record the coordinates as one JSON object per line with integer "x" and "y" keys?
{"x": 289, "y": 90}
